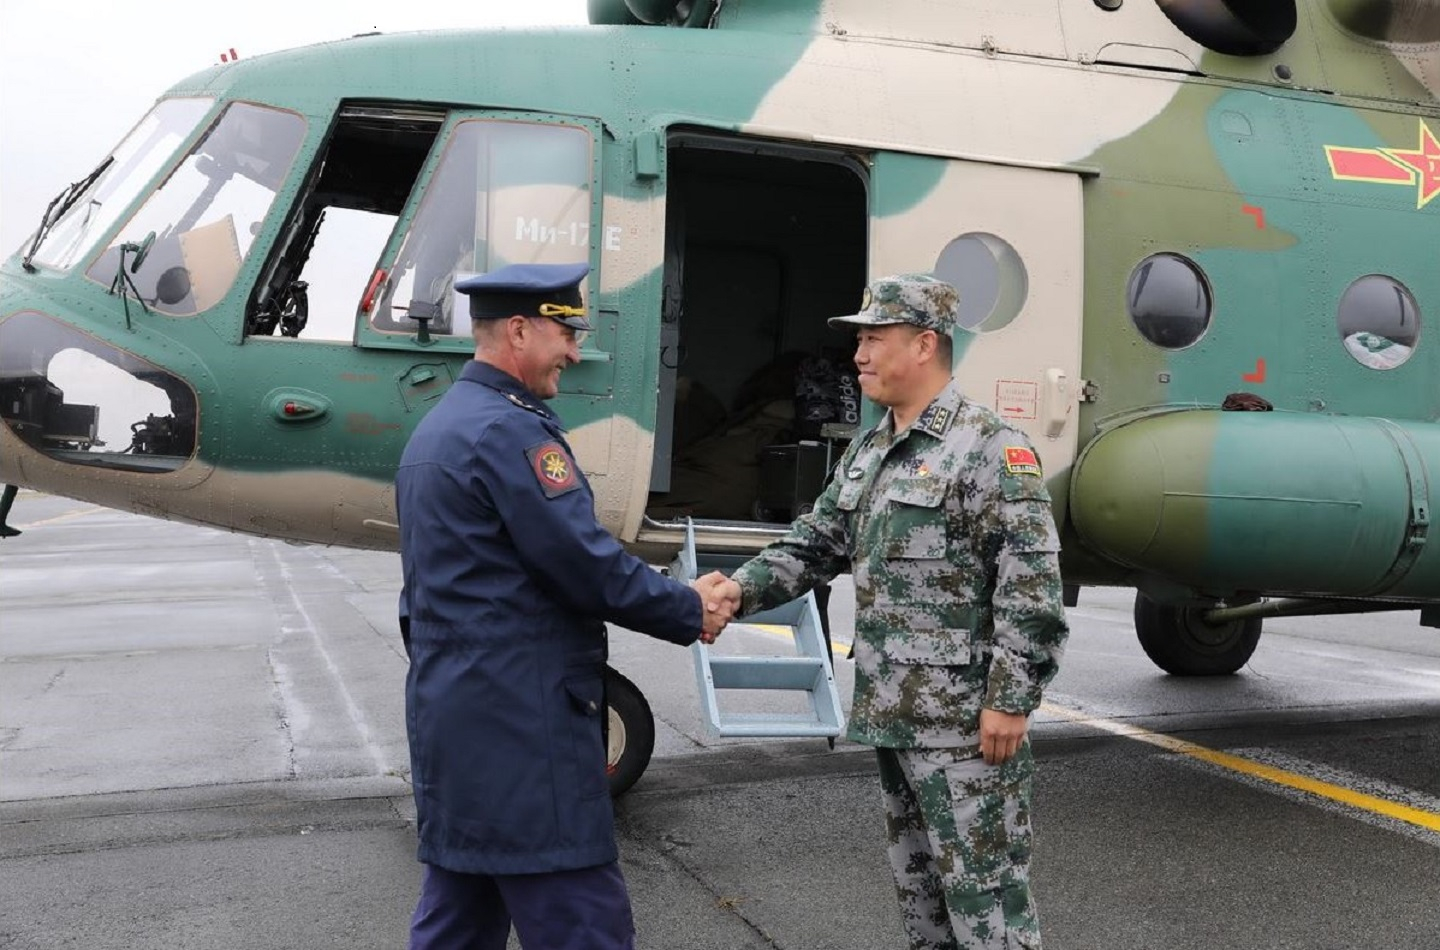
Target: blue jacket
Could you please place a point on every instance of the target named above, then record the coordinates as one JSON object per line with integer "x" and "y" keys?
{"x": 509, "y": 579}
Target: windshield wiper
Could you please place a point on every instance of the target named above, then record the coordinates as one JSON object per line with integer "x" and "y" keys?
{"x": 59, "y": 205}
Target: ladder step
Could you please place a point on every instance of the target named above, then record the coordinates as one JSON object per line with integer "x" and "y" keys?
{"x": 759, "y": 725}
{"x": 767, "y": 672}
{"x": 807, "y": 671}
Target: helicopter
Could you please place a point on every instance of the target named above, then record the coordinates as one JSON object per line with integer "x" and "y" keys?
{"x": 1196, "y": 243}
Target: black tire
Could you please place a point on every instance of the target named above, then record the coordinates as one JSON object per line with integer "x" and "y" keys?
{"x": 1180, "y": 643}
{"x": 631, "y": 732}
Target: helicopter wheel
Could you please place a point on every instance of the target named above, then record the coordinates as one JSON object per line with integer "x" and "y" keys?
{"x": 631, "y": 732}
{"x": 1178, "y": 641}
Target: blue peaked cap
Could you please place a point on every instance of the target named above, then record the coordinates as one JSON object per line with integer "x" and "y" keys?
{"x": 530, "y": 290}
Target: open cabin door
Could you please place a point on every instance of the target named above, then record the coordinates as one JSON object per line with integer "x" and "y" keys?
{"x": 764, "y": 241}
{"x": 1010, "y": 240}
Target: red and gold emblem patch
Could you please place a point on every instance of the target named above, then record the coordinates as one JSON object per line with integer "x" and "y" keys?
{"x": 1021, "y": 461}
{"x": 553, "y": 468}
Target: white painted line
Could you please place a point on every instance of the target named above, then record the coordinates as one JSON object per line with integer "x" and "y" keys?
{"x": 307, "y": 626}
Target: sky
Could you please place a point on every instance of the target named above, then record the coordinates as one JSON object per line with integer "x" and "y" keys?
{"x": 75, "y": 75}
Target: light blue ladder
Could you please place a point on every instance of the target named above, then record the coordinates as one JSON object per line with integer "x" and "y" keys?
{"x": 808, "y": 670}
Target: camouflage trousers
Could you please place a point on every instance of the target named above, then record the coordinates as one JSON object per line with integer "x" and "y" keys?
{"x": 959, "y": 847}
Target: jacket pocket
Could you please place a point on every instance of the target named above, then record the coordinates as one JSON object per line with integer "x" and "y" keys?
{"x": 587, "y": 706}
{"x": 915, "y": 519}
{"x": 929, "y": 647}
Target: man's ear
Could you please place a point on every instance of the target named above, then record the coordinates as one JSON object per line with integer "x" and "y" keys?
{"x": 929, "y": 343}
{"x": 516, "y": 329}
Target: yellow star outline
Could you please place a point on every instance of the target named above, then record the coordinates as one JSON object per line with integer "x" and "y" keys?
{"x": 556, "y": 468}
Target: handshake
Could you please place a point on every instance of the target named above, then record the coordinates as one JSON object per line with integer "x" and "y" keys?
{"x": 719, "y": 602}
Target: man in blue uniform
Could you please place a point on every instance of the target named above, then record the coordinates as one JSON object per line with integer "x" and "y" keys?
{"x": 509, "y": 579}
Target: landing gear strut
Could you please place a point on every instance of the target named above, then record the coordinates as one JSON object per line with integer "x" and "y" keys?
{"x": 1180, "y": 642}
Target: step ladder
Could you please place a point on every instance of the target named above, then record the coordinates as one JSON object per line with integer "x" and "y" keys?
{"x": 808, "y": 671}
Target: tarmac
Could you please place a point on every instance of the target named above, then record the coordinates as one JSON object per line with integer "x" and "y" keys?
{"x": 202, "y": 745}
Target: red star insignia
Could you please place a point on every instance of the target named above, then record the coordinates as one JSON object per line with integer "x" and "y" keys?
{"x": 1425, "y": 160}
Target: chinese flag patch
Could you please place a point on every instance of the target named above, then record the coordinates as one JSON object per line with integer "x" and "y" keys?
{"x": 1021, "y": 461}
{"x": 553, "y": 467}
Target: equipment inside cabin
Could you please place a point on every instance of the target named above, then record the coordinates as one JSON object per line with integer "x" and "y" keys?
{"x": 757, "y": 392}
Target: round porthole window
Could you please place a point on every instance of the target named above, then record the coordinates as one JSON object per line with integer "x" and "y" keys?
{"x": 1379, "y": 321}
{"x": 990, "y": 277}
{"x": 1169, "y": 300}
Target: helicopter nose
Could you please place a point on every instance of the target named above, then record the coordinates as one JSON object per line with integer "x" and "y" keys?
{"x": 80, "y": 400}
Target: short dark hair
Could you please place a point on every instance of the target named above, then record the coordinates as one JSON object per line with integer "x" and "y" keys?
{"x": 944, "y": 346}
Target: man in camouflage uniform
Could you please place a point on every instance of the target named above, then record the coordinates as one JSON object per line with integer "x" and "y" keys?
{"x": 943, "y": 517}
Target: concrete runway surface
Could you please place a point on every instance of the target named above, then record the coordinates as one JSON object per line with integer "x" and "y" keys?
{"x": 202, "y": 745}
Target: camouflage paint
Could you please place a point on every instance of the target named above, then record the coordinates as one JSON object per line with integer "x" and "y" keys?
{"x": 1170, "y": 162}
{"x": 1305, "y": 503}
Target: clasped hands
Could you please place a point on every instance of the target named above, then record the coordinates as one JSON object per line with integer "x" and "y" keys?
{"x": 719, "y": 603}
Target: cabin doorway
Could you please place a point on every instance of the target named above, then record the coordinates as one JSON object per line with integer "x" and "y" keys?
{"x": 764, "y": 241}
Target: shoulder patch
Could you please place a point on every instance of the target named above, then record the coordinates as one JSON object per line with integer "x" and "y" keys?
{"x": 1020, "y": 460}
{"x": 553, "y": 467}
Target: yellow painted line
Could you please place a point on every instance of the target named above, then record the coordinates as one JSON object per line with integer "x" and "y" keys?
{"x": 1419, "y": 817}
{"x": 780, "y": 631}
{"x": 76, "y": 513}
{"x": 1428, "y": 820}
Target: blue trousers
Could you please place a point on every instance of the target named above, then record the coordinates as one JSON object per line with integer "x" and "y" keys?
{"x": 584, "y": 909}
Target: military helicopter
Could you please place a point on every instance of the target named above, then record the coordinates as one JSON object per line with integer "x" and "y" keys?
{"x": 1196, "y": 243}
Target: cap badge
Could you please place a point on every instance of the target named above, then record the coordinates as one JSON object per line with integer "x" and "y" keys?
{"x": 560, "y": 310}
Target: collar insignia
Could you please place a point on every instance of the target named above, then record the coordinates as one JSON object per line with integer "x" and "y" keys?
{"x": 935, "y": 420}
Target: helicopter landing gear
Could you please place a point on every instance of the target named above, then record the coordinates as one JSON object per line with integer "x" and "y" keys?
{"x": 1181, "y": 643}
{"x": 630, "y": 733}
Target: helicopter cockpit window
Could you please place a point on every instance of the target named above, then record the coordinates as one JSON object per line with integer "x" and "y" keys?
{"x": 197, "y": 227}
{"x": 134, "y": 162}
{"x": 1169, "y": 300}
{"x": 1379, "y": 321}
{"x": 505, "y": 192}
{"x": 79, "y": 400}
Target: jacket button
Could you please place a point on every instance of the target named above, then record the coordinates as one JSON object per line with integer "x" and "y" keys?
{"x": 594, "y": 705}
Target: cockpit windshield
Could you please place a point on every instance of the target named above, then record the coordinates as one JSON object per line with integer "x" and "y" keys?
{"x": 135, "y": 162}
{"x": 199, "y": 224}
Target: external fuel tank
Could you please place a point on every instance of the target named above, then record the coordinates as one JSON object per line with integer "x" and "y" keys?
{"x": 1273, "y": 502}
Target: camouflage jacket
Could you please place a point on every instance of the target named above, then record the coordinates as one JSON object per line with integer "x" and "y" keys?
{"x": 948, "y": 531}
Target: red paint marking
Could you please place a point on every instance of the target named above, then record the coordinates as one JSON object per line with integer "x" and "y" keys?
{"x": 1258, "y": 376}
{"x": 1367, "y": 164}
{"x": 1425, "y": 161}
{"x": 368, "y": 300}
{"x": 1257, "y": 213}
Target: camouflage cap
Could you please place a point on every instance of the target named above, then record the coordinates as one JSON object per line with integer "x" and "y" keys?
{"x": 917, "y": 299}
